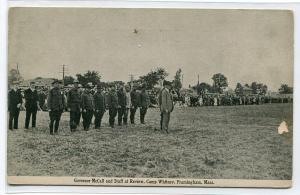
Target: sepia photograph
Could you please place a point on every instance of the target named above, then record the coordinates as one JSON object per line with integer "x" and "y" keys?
{"x": 150, "y": 97}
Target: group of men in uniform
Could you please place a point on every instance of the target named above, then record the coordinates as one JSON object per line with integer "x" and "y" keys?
{"x": 121, "y": 102}
{"x": 88, "y": 104}
{"x": 15, "y": 100}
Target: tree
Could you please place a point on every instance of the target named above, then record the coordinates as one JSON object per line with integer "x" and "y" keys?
{"x": 115, "y": 83}
{"x": 265, "y": 89}
{"x": 177, "y": 80}
{"x": 14, "y": 75}
{"x": 254, "y": 87}
{"x": 259, "y": 88}
{"x": 89, "y": 76}
{"x": 203, "y": 88}
{"x": 152, "y": 78}
{"x": 239, "y": 90}
{"x": 68, "y": 80}
{"x": 285, "y": 89}
{"x": 220, "y": 82}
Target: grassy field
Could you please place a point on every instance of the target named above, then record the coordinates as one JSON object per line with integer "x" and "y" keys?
{"x": 238, "y": 142}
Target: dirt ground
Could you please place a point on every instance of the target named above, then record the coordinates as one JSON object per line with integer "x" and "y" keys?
{"x": 237, "y": 142}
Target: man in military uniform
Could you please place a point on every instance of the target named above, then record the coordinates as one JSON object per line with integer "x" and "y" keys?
{"x": 14, "y": 104}
{"x": 99, "y": 101}
{"x": 112, "y": 103}
{"x": 87, "y": 107}
{"x": 166, "y": 105}
{"x": 74, "y": 102}
{"x": 121, "y": 104}
{"x": 56, "y": 105}
{"x": 135, "y": 101}
{"x": 31, "y": 105}
{"x": 145, "y": 102}
{"x": 128, "y": 103}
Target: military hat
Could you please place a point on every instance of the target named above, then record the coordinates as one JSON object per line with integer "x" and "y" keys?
{"x": 32, "y": 82}
{"x": 75, "y": 81}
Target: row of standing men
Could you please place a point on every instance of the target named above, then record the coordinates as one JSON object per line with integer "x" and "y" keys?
{"x": 121, "y": 102}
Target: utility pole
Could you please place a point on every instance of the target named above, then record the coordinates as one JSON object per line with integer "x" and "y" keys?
{"x": 198, "y": 80}
{"x": 63, "y": 73}
{"x": 63, "y": 66}
{"x": 131, "y": 80}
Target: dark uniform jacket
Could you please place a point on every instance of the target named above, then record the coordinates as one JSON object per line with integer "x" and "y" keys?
{"x": 99, "y": 101}
{"x": 112, "y": 100}
{"x": 56, "y": 100}
{"x": 87, "y": 102}
{"x": 135, "y": 98}
{"x": 14, "y": 98}
{"x": 74, "y": 99}
{"x": 31, "y": 99}
{"x": 121, "y": 98}
{"x": 144, "y": 99}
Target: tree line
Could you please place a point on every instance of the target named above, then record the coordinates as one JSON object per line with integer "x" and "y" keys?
{"x": 151, "y": 79}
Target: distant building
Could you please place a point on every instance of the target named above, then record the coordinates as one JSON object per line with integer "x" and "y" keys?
{"x": 228, "y": 91}
{"x": 247, "y": 91}
{"x": 274, "y": 94}
{"x": 39, "y": 82}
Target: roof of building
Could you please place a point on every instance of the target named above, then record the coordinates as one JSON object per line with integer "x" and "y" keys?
{"x": 38, "y": 82}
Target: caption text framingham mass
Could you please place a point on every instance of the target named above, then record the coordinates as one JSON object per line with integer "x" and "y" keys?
{"x": 133, "y": 181}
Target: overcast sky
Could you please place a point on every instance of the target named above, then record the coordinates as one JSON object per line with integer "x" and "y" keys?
{"x": 244, "y": 45}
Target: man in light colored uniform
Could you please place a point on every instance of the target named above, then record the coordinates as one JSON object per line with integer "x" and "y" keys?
{"x": 128, "y": 103}
{"x": 166, "y": 105}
